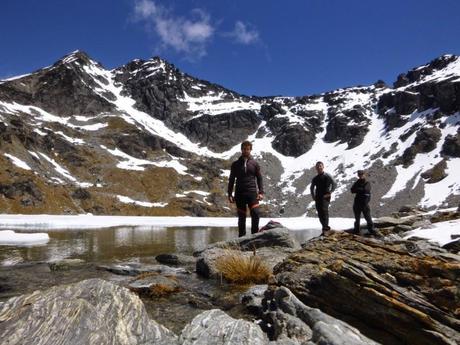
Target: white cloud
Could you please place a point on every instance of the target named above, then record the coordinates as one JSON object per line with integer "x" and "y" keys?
{"x": 244, "y": 33}
{"x": 144, "y": 9}
{"x": 185, "y": 35}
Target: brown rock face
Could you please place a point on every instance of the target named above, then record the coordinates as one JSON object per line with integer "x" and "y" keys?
{"x": 411, "y": 295}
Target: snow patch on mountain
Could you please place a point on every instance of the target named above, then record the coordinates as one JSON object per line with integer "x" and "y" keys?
{"x": 215, "y": 104}
{"x": 18, "y": 162}
{"x": 127, "y": 200}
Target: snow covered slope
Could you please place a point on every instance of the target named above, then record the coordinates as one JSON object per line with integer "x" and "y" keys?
{"x": 148, "y": 139}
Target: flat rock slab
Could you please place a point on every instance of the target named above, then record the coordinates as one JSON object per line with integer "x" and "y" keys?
{"x": 176, "y": 259}
{"x": 134, "y": 269}
{"x": 384, "y": 222}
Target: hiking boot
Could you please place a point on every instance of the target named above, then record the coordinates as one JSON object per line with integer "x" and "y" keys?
{"x": 373, "y": 233}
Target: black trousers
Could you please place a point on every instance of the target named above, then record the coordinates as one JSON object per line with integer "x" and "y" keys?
{"x": 243, "y": 201}
{"x": 322, "y": 208}
{"x": 366, "y": 211}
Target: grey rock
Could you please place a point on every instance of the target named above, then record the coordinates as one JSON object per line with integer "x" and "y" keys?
{"x": 215, "y": 327}
{"x": 278, "y": 237}
{"x": 133, "y": 269}
{"x": 66, "y": 264}
{"x": 424, "y": 224}
{"x": 384, "y": 222}
{"x": 402, "y": 228}
{"x": 93, "y": 311}
{"x": 252, "y": 299}
{"x": 451, "y": 146}
{"x": 175, "y": 259}
{"x": 293, "y": 319}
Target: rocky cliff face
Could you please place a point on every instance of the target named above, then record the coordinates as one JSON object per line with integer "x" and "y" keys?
{"x": 148, "y": 139}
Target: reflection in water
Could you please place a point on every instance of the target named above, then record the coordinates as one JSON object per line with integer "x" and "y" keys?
{"x": 122, "y": 243}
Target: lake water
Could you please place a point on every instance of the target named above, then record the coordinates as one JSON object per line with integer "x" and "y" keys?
{"x": 122, "y": 243}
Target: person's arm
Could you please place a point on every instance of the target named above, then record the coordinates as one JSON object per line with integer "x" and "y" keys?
{"x": 312, "y": 188}
{"x": 333, "y": 184}
{"x": 354, "y": 188}
{"x": 260, "y": 183}
{"x": 231, "y": 183}
{"x": 367, "y": 188}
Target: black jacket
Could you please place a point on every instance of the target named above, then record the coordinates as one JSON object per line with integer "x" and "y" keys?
{"x": 322, "y": 184}
{"x": 246, "y": 176}
{"x": 362, "y": 189}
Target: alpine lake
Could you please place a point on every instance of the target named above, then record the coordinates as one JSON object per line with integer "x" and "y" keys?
{"x": 24, "y": 269}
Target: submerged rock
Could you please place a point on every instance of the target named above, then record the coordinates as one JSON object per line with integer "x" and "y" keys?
{"x": 66, "y": 264}
{"x": 175, "y": 259}
{"x": 134, "y": 269}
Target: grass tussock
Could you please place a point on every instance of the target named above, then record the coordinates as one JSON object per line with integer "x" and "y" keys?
{"x": 237, "y": 268}
{"x": 160, "y": 290}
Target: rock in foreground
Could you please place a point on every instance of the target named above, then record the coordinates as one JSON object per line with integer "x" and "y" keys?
{"x": 90, "y": 312}
{"x": 407, "y": 295}
{"x": 214, "y": 327}
{"x": 293, "y": 322}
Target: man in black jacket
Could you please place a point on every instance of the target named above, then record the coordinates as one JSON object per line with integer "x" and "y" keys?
{"x": 321, "y": 187}
{"x": 362, "y": 190}
{"x": 247, "y": 172}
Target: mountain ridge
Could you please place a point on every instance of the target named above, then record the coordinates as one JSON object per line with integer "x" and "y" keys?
{"x": 83, "y": 129}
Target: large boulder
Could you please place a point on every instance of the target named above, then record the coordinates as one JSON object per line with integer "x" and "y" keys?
{"x": 206, "y": 265}
{"x": 214, "y": 327}
{"x": 92, "y": 311}
{"x": 404, "y": 293}
{"x": 273, "y": 246}
{"x": 277, "y": 237}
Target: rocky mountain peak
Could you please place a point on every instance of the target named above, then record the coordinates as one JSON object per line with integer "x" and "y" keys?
{"x": 443, "y": 66}
{"x": 77, "y": 59}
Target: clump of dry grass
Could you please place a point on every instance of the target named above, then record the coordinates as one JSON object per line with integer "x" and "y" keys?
{"x": 156, "y": 290}
{"x": 236, "y": 267}
{"x": 160, "y": 290}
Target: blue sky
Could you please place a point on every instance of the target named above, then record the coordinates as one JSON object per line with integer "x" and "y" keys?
{"x": 255, "y": 47}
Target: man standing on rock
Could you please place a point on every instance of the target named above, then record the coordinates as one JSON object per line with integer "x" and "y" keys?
{"x": 321, "y": 187}
{"x": 249, "y": 188}
{"x": 362, "y": 190}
